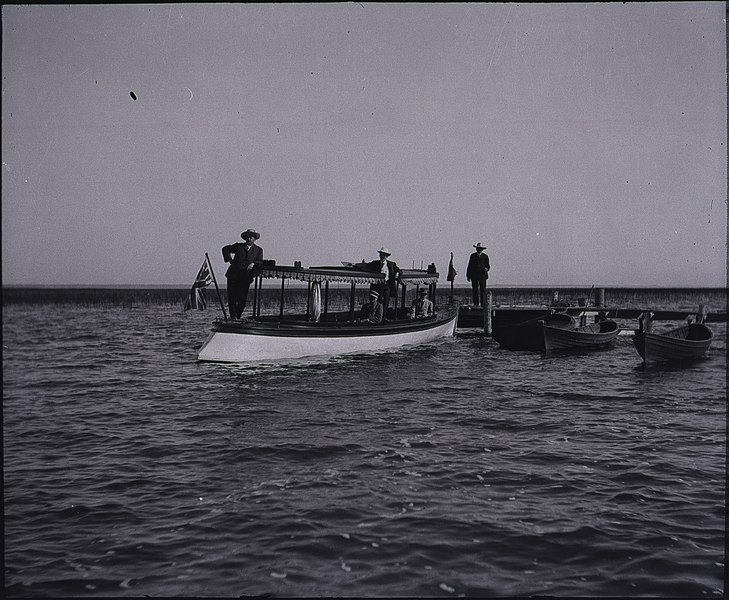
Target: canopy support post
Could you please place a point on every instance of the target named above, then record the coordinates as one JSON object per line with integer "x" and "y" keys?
{"x": 351, "y": 302}
{"x": 283, "y": 283}
{"x": 308, "y": 300}
{"x": 260, "y": 296}
{"x": 255, "y": 297}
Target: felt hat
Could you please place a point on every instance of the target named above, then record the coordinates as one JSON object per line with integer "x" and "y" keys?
{"x": 480, "y": 245}
{"x": 384, "y": 251}
{"x": 422, "y": 291}
{"x": 248, "y": 232}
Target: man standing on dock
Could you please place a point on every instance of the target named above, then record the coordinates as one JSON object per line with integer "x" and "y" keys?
{"x": 244, "y": 258}
{"x": 478, "y": 272}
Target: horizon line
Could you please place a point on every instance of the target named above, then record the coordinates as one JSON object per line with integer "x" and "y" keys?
{"x": 467, "y": 286}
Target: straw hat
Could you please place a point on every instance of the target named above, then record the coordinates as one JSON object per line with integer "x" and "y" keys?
{"x": 384, "y": 251}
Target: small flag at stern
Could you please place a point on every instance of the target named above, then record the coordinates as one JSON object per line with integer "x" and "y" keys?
{"x": 196, "y": 297}
{"x": 451, "y": 271}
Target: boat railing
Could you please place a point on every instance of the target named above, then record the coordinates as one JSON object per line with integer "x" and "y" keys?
{"x": 334, "y": 321}
{"x": 319, "y": 278}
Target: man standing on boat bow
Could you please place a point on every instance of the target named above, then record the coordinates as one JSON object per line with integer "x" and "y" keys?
{"x": 391, "y": 272}
{"x": 244, "y": 258}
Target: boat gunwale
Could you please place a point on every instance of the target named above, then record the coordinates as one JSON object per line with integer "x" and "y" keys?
{"x": 581, "y": 331}
{"x": 655, "y": 347}
{"x": 673, "y": 335}
{"x": 279, "y": 327}
{"x": 579, "y": 338}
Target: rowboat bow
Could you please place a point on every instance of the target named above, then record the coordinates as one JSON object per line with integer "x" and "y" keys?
{"x": 684, "y": 343}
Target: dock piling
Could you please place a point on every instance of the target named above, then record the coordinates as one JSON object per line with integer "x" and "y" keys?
{"x": 701, "y": 315}
{"x": 487, "y": 315}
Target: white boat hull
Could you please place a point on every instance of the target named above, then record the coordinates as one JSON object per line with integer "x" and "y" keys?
{"x": 252, "y": 345}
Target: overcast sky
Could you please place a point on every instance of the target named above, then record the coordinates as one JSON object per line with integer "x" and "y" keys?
{"x": 582, "y": 143}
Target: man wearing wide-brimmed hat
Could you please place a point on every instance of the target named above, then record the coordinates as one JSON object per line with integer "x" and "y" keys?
{"x": 372, "y": 311}
{"x": 244, "y": 258}
{"x": 477, "y": 273}
{"x": 391, "y": 272}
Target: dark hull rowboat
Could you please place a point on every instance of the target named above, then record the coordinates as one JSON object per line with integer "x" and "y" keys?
{"x": 687, "y": 342}
{"x": 529, "y": 335}
{"x": 586, "y": 337}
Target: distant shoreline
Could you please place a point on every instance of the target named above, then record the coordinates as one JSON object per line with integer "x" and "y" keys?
{"x": 441, "y": 285}
{"x": 714, "y": 299}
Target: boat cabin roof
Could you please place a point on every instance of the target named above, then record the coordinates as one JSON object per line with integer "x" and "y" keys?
{"x": 356, "y": 273}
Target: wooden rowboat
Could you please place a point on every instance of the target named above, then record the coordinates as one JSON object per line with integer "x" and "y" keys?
{"x": 528, "y": 335}
{"x": 318, "y": 331}
{"x": 684, "y": 343}
{"x": 585, "y": 337}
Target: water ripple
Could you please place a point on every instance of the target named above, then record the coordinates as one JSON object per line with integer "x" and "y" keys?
{"x": 453, "y": 469}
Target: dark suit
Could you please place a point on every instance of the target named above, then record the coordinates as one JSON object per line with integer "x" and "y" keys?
{"x": 371, "y": 312}
{"x": 478, "y": 272}
{"x": 239, "y": 276}
{"x": 389, "y": 287}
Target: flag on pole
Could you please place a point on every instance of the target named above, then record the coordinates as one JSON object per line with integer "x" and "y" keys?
{"x": 451, "y": 271}
{"x": 196, "y": 297}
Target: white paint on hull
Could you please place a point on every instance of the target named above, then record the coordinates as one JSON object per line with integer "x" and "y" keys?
{"x": 245, "y": 347}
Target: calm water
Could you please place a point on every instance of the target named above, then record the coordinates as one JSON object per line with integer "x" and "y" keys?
{"x": 447, "y": 470}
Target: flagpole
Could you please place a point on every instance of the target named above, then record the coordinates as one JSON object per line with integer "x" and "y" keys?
{"x": 451, "y": 278}
{"x": 207, "y": 258}
{"x": 451, "y": 275}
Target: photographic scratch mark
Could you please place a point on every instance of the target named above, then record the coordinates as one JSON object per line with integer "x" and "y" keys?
{"x": 166, "y": 34}
{"x": 543, "y": 31}
{"x": 189, "y": 90}
{"x": 498, "y": 40}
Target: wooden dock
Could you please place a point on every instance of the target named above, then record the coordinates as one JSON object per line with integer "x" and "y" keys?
{"x": 469, "y": 316}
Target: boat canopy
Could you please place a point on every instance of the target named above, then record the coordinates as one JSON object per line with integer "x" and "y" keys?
{"x": 351, "y": 274}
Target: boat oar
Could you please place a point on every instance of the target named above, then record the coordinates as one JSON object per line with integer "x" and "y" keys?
{"x": 584, "y": 311}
